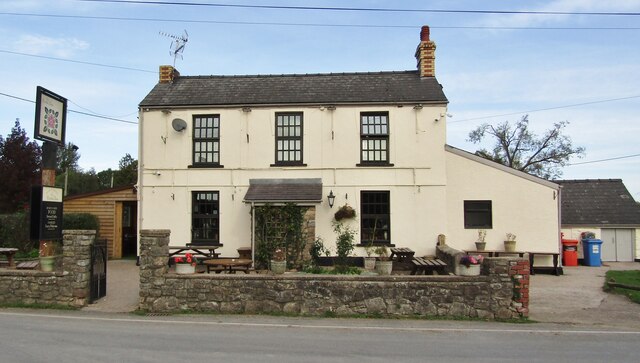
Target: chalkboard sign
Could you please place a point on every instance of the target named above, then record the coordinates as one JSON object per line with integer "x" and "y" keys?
{"x": 46, "y": 213}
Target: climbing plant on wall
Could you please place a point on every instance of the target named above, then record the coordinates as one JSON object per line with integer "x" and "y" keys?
{"x": 280, "y": 227}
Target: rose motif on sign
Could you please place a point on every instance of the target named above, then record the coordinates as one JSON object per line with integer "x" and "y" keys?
{"x": 51, "y": 121}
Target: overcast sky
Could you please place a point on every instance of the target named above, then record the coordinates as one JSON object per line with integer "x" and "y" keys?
{"x": 104, "y": 57}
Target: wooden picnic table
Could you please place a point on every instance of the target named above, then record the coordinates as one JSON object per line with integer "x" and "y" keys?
{"x": 403, "y": 254}
{"x": 228, "y": 264}
{"x": 9, "y": 252}
{"x": 204, "y": 251}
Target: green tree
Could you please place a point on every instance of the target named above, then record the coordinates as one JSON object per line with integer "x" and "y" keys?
{"x": 19, "y": 169}
{"x": 517, "y": 147}
{"x": 128, "y": 172}
{"x": 67, "y": 158}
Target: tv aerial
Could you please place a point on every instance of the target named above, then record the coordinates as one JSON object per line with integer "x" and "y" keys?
{"x": 177, "y": 45}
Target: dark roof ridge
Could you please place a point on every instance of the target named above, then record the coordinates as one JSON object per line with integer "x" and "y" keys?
{"x": 611, "y": 180}
{"x": 297, "y": 74}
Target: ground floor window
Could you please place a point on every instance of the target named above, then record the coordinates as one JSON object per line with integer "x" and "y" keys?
{"x": 205, "y": 218}
{"x": 477, "y": 214}
{"x": 375, "y": 219}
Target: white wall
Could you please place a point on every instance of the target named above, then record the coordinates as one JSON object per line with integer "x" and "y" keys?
{"x": 331, "y": 152}
{"x": 519, "y": 205}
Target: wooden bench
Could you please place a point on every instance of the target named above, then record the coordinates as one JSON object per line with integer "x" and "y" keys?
{"x": 403, "y": 254}
{"x": 431, "y": 265}
{"x": 28, "y": 265}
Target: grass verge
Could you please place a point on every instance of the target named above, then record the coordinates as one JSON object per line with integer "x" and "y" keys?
{"x": 625, "y": 283}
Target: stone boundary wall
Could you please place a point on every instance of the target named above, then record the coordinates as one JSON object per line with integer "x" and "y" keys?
{"x": 67, "y": 286}
{"x": 490, "y": 296}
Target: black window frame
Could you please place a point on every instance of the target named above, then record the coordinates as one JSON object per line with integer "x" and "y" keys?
{"x": 375, "y": 205}
{"x": 198, "y": 139}
{"x": 199, "y": 214}
{"x": 368, "y": 134}
{"x": 288, "y": 139}
{"x": 478, "y": 214}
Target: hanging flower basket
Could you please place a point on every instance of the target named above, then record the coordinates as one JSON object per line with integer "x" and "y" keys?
{"x": 345, "y": 212}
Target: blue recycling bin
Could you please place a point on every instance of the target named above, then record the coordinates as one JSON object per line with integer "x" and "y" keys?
{"x": 592, "y": 249}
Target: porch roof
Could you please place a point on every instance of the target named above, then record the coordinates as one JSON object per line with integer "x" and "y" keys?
{"x": 305, "y": 191}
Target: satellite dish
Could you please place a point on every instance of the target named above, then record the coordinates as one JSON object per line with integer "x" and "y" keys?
{"x": 178, "y": 124}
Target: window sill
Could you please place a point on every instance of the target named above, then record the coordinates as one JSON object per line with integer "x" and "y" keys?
{"x": 374, "y": 164}
{"x": 288, "y": 165}
{"x": 375, "y": 244}
{"x": 206, "y": 166}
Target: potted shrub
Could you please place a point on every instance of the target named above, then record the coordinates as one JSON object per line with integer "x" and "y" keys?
{"x": 185, "y": 265}
{"x": 344, "y": 244}
{"x": 384, "y": 265}
{"x": 278, "y": 261}
{"x": 470, "y": 265}
{"x": 480, "y": 243}
{"x": 47, "y": 256}
{"x": 510, "y": 243}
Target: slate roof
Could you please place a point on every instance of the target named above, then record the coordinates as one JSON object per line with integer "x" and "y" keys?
{"x": 284, "y": 190}
{"x": 598, "y": 202}
{"x": 327, "y": 89}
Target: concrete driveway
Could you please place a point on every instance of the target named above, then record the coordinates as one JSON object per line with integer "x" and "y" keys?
{"x": 573, "y": 298}
{"x": 577, "y": 298}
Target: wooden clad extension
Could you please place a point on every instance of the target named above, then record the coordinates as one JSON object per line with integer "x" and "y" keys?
{"x": 107, "y": 206}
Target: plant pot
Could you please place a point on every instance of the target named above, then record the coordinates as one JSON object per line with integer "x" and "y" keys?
{"x": 472, "y": 270}
{"x": 47, "y": 263}
{"x": 278, "y": 267}
{"x": 369, "y": 263}
{"x": 509, "y": 246}
{"x": 384, "y": 267}
{"x": 185, "y": 268}
{"x": 480, "y": 246}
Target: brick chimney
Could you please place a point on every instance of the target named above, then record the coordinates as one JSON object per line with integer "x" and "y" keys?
{"x": 168, "y": 74}
{"x": 426, "y": 54}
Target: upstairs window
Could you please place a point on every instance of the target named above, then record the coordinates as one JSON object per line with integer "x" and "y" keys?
{"x": 477, "y": 214}
{"x": 205, "y": 218}
{"x": 375, "y": 219}
{"x": 289, "y": 130}
{"x": 206, "y": 140}
{"x": 374, "y": 138}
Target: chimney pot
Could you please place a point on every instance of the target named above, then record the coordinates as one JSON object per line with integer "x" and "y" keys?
{"x": 424, "y": 33}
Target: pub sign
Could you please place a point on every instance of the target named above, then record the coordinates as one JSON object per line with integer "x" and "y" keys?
{"x": 51, "y": 116}
{"x": 46, "y": 213}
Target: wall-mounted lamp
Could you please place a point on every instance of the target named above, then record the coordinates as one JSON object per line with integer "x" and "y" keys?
{"x": 157, "y": 173}
{"x": 418, "y": 106}
{"x": 331, "y": 198}
{"x": 246, "y": 109}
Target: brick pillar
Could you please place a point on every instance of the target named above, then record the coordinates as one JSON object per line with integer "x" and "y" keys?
{"x": 168, "y": 74}
{"x": 154, "y": 252}
{"x": 519, "y": 272}
{"x": 76, "y": 260}
{"x": 426, "y": 54}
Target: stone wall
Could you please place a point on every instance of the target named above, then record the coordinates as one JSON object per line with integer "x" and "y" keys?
{"x": 489, "y": 296}
{"x": 67, "y": 286}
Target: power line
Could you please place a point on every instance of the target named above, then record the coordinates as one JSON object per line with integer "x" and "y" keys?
{"x": 601, "y": 160}
{"x": 546, "y": 109}
{"x": 396, "y": 10}
{"x": 76, "y": 61}
{"x": 391, "y": 26}
{"x": 74, "y": 111}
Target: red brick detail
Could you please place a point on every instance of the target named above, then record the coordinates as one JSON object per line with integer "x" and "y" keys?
{"x": 424, "y": 33}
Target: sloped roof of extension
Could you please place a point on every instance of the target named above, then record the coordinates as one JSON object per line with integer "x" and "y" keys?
{"x": 506, "y": 169}
{"x": 276, "y": 191}
{"x": 313, "y": 89}
{"x": 598, "y": 202}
